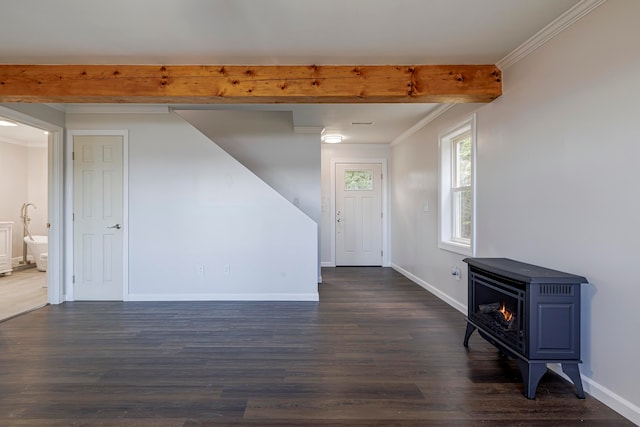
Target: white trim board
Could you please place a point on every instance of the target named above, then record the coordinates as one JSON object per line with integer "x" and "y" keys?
{"x": 55, "y": 200}
{"x": 16, "y": 260}
{"x": 462, "y": 308}
{"x": 591, "y": 387}
{"x": 603, "y": 394}
{"x": 312, "y": 297}
{"x": 70, "y": 287}
{"x": 434, "y": 114}
{"x": 557, "y": 26}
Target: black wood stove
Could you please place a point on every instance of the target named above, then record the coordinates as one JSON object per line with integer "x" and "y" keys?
{"x": 529, "y": 313}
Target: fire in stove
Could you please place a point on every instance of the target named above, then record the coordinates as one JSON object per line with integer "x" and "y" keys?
{"x": 506, "y": 314}
{"x": 499, "y": 313}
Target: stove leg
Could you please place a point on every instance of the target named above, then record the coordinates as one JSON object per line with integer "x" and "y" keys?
{"x": 531, "y": 374}
{"x": 467, "y": 334}
{"x": 573, "y": 371}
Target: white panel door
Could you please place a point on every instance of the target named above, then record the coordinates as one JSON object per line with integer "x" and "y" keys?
{"x": 358, "y": 214}
{"x": 98, "y": 214}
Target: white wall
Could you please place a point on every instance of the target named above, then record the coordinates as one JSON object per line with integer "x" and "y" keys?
{"x": 414, "y": 237}
{"x": 37, "y": 170}
{"x": 265, "y": 143}
{"x": 23, "y": 178}
{"x": 191, "y": 203}
{"x": 340, "y": 152}
{"x": 557, "y": 174}
{"x": 13, "y": 189}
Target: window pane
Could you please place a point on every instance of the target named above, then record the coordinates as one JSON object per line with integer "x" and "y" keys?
{"x": 462, "y": 160}
{"x": 358, "y": 180}
{"x": 462, "y": 215}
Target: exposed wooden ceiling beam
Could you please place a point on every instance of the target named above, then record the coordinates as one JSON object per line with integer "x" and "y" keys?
{"x": 218, "y": 84}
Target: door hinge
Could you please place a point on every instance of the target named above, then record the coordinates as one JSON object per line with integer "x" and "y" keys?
{"x": 73, "y": 279}
{"x": 73, "y": 155}
{"x": 381, "y": 253}
{"x": 73, "y": 217}
{"x": 381, "y": 214}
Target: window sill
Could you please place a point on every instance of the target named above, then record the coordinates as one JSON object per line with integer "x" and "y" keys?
{"x": 455, "y": 247}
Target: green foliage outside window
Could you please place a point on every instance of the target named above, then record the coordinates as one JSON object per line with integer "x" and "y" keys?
{"x": 358, "y": 180}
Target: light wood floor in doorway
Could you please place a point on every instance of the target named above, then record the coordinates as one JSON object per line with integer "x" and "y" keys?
{"x": 376, "y": 350}
{"x": 22, "y": 291}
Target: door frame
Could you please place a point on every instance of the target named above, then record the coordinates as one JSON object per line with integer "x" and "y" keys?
{"x": 386, "y": 258}
{"x": 55, "y": 201}
{"x": 69, "y": 248}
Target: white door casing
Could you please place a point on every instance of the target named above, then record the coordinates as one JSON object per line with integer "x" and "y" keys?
{"x": 358, "y": 214}
{"x": 98, "y": 217}
{"x": 55, "y": 196}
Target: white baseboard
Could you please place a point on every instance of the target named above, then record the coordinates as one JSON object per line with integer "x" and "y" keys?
{"x": 327, "y": 264}
{"x": 594, "y": 389}
{"x": 462, "y": 308}
{"x": 223, "y": 297}
{"x": 604, "y": 395}
{"x": 15, "y": 261}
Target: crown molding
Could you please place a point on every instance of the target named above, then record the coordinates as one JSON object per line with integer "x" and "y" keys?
{"x": 558, "y": 25}
{"x": 434, "y": 114}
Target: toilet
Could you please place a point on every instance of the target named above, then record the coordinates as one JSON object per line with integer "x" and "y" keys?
{"x": 43, "y": 260}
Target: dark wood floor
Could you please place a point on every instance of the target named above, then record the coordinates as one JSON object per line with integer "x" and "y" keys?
{"x": 376, "y": 350}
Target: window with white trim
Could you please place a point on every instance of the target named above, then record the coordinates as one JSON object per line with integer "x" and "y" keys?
{"x": 457, "y": 188}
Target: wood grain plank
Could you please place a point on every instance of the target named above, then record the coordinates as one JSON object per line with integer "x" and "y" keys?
{"x": 213, "y": 84}
{"x": 377, "y": 350}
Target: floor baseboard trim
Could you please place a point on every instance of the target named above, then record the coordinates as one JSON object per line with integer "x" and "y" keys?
{"x": 591, "y": 387}
{"x": 223, "y": 297}
{"x": 604, "y": 395}
{"x": 462, "y": 308}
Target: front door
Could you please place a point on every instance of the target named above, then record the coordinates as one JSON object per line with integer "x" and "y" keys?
{"x": 358, "y": 214}
{"x": 98, "y": 217}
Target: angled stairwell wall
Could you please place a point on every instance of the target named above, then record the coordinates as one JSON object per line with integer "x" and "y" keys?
{"x": 265, "y": 142}
{"x": 201, "y": 225}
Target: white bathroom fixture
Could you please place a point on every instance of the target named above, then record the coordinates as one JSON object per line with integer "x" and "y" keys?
{"x": 38, "y": 246}
{"x": 5, "y": 247}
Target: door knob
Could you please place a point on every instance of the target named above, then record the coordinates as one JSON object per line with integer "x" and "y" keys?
{"x": 117, "y": 226}
{"x": 339, "y": 220}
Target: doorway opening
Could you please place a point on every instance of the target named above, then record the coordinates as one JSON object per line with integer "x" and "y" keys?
{"x": 359, "y": 213}
{"x": 99, "y": 206}
{"x": 24, "y": 217}
{"x": 53, "y": 212}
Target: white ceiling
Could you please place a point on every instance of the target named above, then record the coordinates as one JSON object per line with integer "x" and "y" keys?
{"x": 269, "y": 32}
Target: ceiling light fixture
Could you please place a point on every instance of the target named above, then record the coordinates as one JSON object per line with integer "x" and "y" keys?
{"x": 332, "y": 139}
{"x": 4, "y": 122}
{"x": 362, "y": 123}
